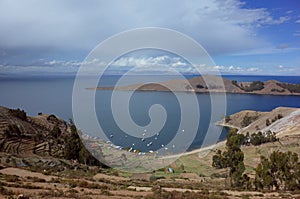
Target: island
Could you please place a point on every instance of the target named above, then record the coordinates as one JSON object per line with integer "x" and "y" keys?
{"x": 205, "y": 84}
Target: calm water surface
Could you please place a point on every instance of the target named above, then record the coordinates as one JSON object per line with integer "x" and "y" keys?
{"x": 54, "y": 95}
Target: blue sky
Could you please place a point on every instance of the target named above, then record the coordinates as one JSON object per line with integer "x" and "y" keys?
{"x": 243, "y": 37}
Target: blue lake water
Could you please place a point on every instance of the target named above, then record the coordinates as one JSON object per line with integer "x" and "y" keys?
{"x": 54, "y": 95}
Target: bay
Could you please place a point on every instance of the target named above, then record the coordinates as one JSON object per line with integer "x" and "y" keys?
{"x": 53, "y": 95}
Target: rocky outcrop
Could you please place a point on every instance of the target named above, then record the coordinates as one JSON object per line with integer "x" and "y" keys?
{"x": 30, "y": 135}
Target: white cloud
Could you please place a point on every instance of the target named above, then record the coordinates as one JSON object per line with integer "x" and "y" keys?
{"x": 218, "y": 67}
{"x": 150, "y": 62}
{"x": 298, "y": 21}
{"x": 268, "y": 50}
{"x": 297, "y": 34}
{"x": 286, "y": 68}
{"x": 220, "y": 26}
{"x": 253, "y": 69}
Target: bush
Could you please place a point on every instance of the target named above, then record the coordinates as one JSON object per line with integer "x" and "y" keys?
{"x": 260, "y": 138}
{"x": 277, "y": 90}
{"x": 4, "y": 191}
{"x": 55, "y": 132}
{"x": 11, "y": 178}
{"x": 247, "y": 120}
{"x": 293, "y": 88}
{"x": 227, "y": 119}
{"x": 75, "y": 149}
{"x": 12, "y": 130}
{"x": 254, "y": 86}
{"x": 280, "y": 171}
{"x": 21, "y": 114}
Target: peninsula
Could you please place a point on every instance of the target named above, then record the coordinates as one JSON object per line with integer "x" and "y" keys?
{"x": 201, "y": 85}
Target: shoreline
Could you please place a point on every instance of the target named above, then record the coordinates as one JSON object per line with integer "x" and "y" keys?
{"x": 223, "y": 124}
{"x": 193, "y": 91}
{"x": 205, "y": 150}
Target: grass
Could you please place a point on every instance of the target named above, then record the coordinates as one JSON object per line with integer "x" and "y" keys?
{"x": 192, "y": 164}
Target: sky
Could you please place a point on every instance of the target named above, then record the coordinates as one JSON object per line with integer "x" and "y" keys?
{"x": 253, "y": 37}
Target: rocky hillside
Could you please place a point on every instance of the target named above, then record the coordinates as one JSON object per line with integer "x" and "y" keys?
{"x": 197, "y": 84}
{"x": 283, "y": 121}
{"x": 44, "y": 142}
{"x": 22, "y": 134}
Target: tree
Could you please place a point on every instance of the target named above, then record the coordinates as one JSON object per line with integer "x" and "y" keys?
{"x": 73, "y": 144}
{"x": 219, "y": 160}
{"x": 280, "y": 171}
{"x": 233, "y": 158}
{"x": 75, "y": 149}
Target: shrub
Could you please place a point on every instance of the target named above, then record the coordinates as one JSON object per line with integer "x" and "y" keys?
{"x": 293, "y": 88}
{"x": 12, "y": 130}
{"x": 21, "y": 114}
{"x": 227, "y": 119}
{"x": 153, "y": 178}
{"x": 254, "y": 86}
{"x": 247, "y": 120}
{"x": 55, "y": 132}
{"x": 11, "y": 178}
{"x": 280, "y": 171}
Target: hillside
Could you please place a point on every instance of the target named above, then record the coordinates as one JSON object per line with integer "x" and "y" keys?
{"x": 197, "y": 84}
{"x": 28, "y": 170}
{"x": 21, "y": 134}
{"x": 283, "y": 121}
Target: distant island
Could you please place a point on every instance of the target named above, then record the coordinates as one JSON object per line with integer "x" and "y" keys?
{"x": 198, "y": 85}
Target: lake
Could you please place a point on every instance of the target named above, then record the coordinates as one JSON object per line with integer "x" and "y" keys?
{"x": 53, "y": 95}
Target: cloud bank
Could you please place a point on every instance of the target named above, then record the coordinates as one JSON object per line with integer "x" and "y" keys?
{"x": 220, "y": 26}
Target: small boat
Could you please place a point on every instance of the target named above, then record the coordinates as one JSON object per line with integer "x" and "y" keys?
{"x": 143, "y": 139}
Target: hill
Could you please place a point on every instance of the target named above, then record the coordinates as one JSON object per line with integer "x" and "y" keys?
{"x": 28, "y": 170}
{"x": 283, "y": 121}
{"x": 204, "y": 84}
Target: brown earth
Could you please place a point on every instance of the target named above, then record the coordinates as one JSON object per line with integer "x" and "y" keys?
{"x": 205, "y": 84}
{"x": 289, "y": 124}
{"x": 37, "y": 174}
